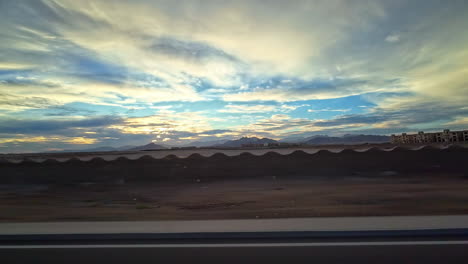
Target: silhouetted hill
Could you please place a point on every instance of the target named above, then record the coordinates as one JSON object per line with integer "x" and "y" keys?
{"x": 207, "y": 143}
{"x": 300, "y": 139}
{"x": 150, "y": 146}
{"x": 96, "y": 149}
{"x": 246, "y": 140}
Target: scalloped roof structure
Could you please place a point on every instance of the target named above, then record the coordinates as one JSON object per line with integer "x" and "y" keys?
{"x": 199, "y": 154}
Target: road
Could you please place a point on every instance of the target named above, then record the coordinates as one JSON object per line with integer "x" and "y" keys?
{"x": 362, "y": 253}
{"x": 422, "y": 239}
{"x": 244, "y": 225}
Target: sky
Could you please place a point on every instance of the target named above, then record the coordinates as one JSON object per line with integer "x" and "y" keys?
{"x": 82, "y": 74}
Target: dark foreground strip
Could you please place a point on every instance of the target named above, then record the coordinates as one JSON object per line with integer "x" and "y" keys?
{"x": 236, "y": 237}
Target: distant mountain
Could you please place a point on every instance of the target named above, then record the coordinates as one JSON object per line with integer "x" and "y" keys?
{"x": 293, "y": 139}
{"x": 207, "y": 143}
{"x": 347, "y": 139}
{"x": 299, "y": 139}
{"x": 126, "y": 147}
{"x": 150, "y": 146}
{"x": 246, "y": 140}
{"x": 96, "y": 149}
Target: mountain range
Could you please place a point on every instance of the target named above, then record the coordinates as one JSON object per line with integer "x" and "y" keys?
{"x": 246, "y": 140}
{"x": 207, "y": 143}
{"x": 150, "y": 146}
{"x": 236, "y": 143}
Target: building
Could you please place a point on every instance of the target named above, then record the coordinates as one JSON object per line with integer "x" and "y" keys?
{"x": 445, "y": 136}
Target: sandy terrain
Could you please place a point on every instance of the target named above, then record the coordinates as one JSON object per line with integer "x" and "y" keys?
{"x": 266, "y": 197}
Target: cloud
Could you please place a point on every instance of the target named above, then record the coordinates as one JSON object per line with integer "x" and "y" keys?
{"x": 164, "y": 124}
{"x": 49, "y": 139}
{"x": 317, "y": 89}
{"x": 196, "y": 52}
{"x": 352, "y": 119}
{"x": 54, "y": 126}
{"x": 392, "y": 38}
{"x": 161, "y": 107}
{"x": 13, "y": 66}
{"x": 248, "y": 109}
{"x": 14, "y": 103}
{"x": 458, "y": 122}
{"x": 63, "y": 90}
{"x": 327, "y": 110}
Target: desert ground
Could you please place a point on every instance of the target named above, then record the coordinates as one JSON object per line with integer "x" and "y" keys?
{"x": 235, "y": 184}
{"x": 266, "y": 197}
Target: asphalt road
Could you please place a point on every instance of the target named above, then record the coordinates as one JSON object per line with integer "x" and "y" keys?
{"x": 362, "y": 252}
{"x": 422, "y": 239}
{"x": 241, "y": 225}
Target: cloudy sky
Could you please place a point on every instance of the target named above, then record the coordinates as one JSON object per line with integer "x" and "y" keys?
{"x": 81, "y": 74}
